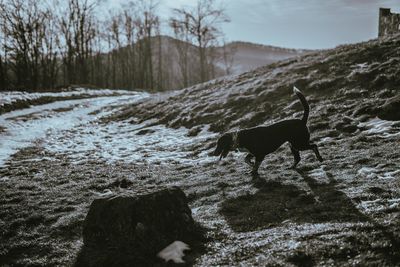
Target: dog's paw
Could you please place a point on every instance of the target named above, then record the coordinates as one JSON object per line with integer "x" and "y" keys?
{"x": 254, "y": 174}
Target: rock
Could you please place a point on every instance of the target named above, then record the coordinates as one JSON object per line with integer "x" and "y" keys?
{"x": 365, "y": 109}
{"x": 363, "y": 118}
{"x": 129, "y": 230}
{"x": 122, "y": 183}
{"x": 145, "y": 131}
{"x": 390, "y": 110}
{"x": 347, "y": 125}
{"x": 194, "y": 131}
{"x": 385, "y": 93}
{"x": 319, "y": 126}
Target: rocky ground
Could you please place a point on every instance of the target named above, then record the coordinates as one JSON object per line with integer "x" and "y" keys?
{"x": 342, "y": 212}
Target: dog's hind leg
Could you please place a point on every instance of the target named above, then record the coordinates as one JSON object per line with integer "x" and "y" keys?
{"x": 296, "y": 155}
{"x": 315, "y": 149}
{"x": 248, "y": 159}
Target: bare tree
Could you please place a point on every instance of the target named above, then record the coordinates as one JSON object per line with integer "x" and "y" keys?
{"x": 202, "y": 22}
{"x": 49, "y": 52}
{"x": 182, "y": 43}
{"x": 77, "y": 27}
{"x": 147, "y": 23}
{"x": 115, "y": 42}
{"x": 28, "y": 43}
{"x": 130, "y": 33}
{"x": 3, "y": 54}
{"x": 160, "y": 79}
{"x": 227, "y": 57}
{"x": 129, "y": 30}
{"x": 44, "y": 44}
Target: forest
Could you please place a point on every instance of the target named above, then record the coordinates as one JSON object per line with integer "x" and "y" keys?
{"x": 46, "y": 45}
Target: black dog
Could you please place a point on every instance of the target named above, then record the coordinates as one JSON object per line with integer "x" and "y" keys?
{"x": 260, "y": 141}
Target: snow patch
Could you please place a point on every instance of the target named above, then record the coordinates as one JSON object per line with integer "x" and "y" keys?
{"x": 390, "y": 175}
{"x": 20, "y": 134}
{"x": 369, "y": 205}
{"x": 292, "y": 244}
{"x": 122, "y": 141}
{"x": 10, "y": 97}
{"x": 318, "y": 173}
{"x": 377, "y": 172}
{"x": 358, "y": 68}
{"x": 379, "y": 204}
{"x": 394, "y": 200}
{"x": 195, "y": 210}
{"x": 325, "y": 140}
{"x": 381, "y": 128}
{"x": 367, "y": 172}
{"x": 129, "y": 142}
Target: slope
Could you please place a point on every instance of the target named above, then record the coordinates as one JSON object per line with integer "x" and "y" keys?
{"x": 351, "y": 80}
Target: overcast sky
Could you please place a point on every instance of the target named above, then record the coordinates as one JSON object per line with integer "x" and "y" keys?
{"x": 298, "y": 23}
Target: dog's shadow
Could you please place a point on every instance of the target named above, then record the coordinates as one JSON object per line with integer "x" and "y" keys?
{"x": 275, "y": 203}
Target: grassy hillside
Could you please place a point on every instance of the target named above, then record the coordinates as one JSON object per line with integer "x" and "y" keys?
{"x": 342, "y": 212}
{"x": 351, "y": 80}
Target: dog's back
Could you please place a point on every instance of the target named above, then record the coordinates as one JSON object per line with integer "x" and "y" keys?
{"x": 267, "y": 139}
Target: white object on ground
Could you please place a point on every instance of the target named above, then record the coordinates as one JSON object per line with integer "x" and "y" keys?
{"x": 174, "y": 252}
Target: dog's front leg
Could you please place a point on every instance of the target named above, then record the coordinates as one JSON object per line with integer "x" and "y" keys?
{"x": 257, "y": 164}
{"x": 296, "y": 155}
{"x": 255, "y": 167}
{"x": 314, "y": 148}
{"x": 248, "y": 159}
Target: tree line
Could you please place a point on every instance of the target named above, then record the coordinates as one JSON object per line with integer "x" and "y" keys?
{"x": 50, "y": 44}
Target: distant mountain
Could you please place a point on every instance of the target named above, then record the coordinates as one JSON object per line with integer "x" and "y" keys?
{"x": 245, "y": 56}
{"x": 248, "y": 56}
{"x": 233, "y": 58}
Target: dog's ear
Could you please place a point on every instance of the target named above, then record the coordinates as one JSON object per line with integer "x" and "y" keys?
{"x": 224, "y": 145}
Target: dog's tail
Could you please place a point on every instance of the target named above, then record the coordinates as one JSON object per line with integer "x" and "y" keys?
{"x": 304, "y": 103}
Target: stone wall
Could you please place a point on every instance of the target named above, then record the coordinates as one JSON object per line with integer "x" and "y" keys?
{"x": 389, "y": 23}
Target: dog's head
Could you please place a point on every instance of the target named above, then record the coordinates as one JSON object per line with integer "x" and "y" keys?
{"x": 224, "y": 145}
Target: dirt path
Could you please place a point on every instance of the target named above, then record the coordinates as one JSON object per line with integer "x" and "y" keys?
{"x": 344, "y": 212}
{"x": 19, "y": 128}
